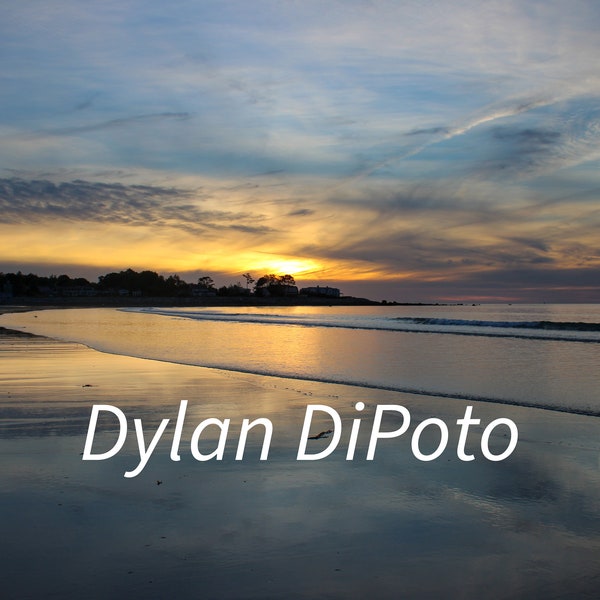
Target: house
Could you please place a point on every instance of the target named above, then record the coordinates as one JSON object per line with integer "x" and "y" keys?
{"x": 201, "y": 291}
{"x": 322, "y": 291}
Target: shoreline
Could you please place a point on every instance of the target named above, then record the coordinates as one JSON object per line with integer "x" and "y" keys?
{"x": 272, "y": 368}
{"x": 216, "y": 301}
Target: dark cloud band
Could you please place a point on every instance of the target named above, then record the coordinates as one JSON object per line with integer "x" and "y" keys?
{"x": 27, "y": 201}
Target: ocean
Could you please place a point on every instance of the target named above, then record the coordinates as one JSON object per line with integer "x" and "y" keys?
{"x": 542, "y": 355}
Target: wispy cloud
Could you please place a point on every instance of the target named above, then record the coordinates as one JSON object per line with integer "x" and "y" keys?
{"x": 301, "y": 212}
{"x": 23, "y": 201}
{"x": 117, "y": 123}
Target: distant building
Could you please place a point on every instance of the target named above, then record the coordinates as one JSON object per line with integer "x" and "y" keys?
{"x": 200, "y": 291}
{"x": 324, "y": 291}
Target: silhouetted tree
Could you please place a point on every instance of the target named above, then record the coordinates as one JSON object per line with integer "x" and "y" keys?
{"x": 287, "y": 280}
{"x": 275, "y": 285}
{"x": 249, "y": 279}
{"x": 28, "y": 285}
{"x": 234, "y": 289}
{"x": 266, "y": 281}
{"x": 148, "y": 283}
{"x": 206, "y": 282}
{"x": 175, "y": 286}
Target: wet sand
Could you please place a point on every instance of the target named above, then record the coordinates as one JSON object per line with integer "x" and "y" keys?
{"x": 393, "y": 527}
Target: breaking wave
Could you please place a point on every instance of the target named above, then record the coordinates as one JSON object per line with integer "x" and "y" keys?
{"x": 540, "y": 325}
{"x": 570, "y": 331}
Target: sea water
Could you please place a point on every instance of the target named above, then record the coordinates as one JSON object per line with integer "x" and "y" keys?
{"x": 545, "y": 356}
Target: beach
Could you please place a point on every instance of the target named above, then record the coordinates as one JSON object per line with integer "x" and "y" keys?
{"x": 527, "y": 526}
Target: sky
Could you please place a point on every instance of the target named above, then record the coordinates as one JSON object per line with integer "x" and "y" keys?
{"x": 408, "y": 150}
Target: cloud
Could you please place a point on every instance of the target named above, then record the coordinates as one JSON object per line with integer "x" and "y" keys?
{"x": 443, "y": 134}
{"x": 517, "y": 151}
{"x": 301, "y": 212}
{"x": 118, "y": 123}
{"x": 440, "y": 229}
{"x": 540, "y": 144}
{"x": 30, "y": 201}
{"x": 536, "y": 244}
{"x": 429, "y": 131}
{"x": 530, "y": 139}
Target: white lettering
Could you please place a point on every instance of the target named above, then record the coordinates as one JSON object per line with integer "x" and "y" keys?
{"x": 337, "y": 432}
{"x": 89, "y": 439}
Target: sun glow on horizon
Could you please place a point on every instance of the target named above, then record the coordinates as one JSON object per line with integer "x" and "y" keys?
{"x": 290, "y": 266}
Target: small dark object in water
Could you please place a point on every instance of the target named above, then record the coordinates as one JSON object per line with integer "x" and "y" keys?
{"x": 321, "y": 435}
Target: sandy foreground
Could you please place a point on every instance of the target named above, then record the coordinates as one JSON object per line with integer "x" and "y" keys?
{"x": 393, "y": 527}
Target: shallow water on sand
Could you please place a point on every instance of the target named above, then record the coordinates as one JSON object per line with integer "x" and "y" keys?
{"x": 443, "y": 360}
{"x": 393, "y": 527}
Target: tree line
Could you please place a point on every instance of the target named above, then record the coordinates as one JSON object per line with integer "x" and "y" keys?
{"x": 130, "y": 282}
